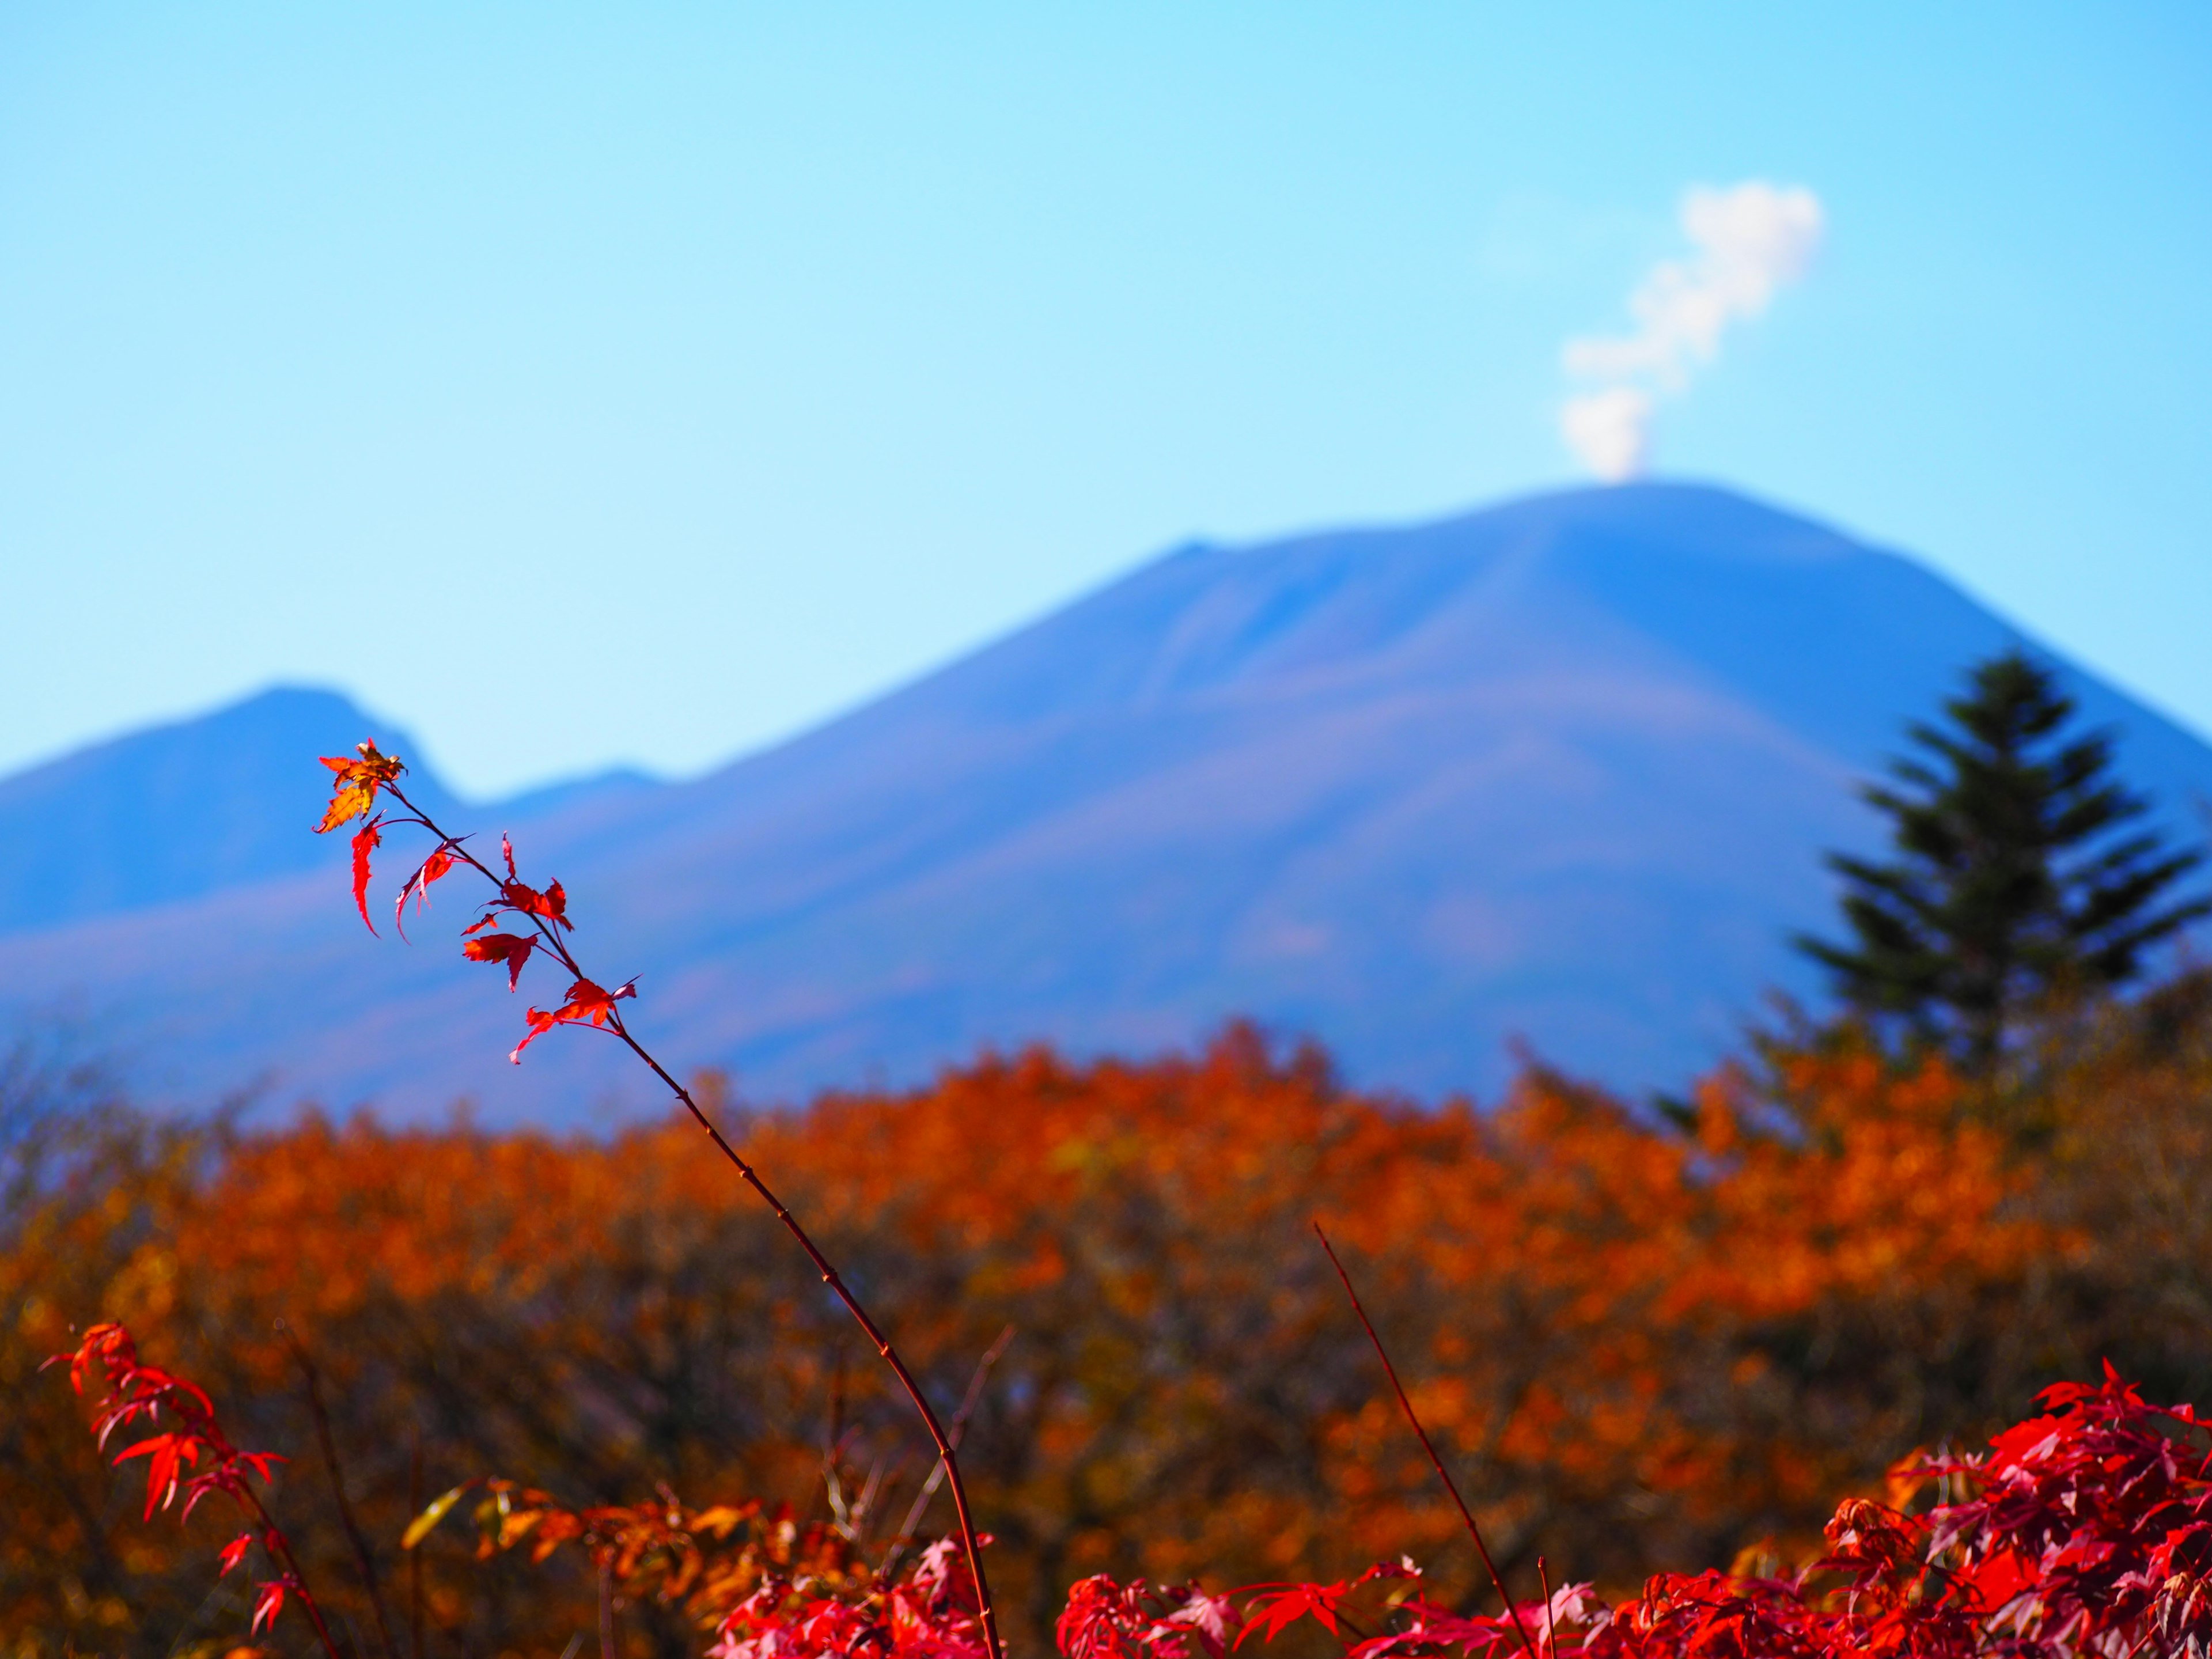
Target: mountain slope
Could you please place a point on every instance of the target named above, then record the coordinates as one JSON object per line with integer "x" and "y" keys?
{"x": 1561, "y": 771}
{"x": 196, "y": 806}
{"x": 175, "y": 810}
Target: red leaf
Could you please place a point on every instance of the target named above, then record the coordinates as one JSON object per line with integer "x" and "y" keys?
{"x": 512, "y": 949}
{"x": 586, "y": 1004}
{"x": 169, "y": 1454}
{"x": 267, "y": 1606}
{"x": 552, "y": 904}
{"x": 433, "y": 868}
{"x": 367, "y": 840}
{"x": 234, "y": 1551}
{"x": 1272, "y": 1614}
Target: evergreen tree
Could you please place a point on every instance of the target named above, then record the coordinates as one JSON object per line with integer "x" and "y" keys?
{"x": 2020, "y": 871}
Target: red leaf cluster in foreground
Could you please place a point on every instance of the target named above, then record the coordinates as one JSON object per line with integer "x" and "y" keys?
{"x": 2084, "y": 1531}
{"x": 195, "y": 1460}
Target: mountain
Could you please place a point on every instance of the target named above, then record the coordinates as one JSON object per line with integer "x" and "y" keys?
{"x": 196, "y": 806}
{"x": 1561, "y": 771}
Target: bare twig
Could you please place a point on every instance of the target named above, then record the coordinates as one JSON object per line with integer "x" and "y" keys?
{"x": 968, "y": 1404}
{"x": 550, "y": 939}
{"x": 362, "y": 1559}
{"x": 1466, "y": 1515}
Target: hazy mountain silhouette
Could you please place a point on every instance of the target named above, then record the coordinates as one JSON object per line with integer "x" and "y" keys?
{"x": 194, "y": 806}
{"x": 1559, "y": 770}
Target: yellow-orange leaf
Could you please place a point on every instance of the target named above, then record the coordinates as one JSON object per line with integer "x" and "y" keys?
{"x": 354, "y": 791}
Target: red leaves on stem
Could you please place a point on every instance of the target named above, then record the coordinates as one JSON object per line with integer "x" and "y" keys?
{"x": 353, "y": 792}
{"x": 520, "y": 898}
{"x": 1106, "y": 1620}
{"x": 586, "y": 1005}
{"x": 2085, "y": 1531}
{"x": 195, "y": 1460}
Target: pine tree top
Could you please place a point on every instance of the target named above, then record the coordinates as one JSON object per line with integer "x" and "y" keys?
{"x": 2020, "y": 871}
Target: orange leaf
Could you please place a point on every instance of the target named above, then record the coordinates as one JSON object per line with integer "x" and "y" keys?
{"x": 354, "y": 791}
{"x": 512, "y": 949}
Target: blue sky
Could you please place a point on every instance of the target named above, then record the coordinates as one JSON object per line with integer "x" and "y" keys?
{"x": 583, "y": 384}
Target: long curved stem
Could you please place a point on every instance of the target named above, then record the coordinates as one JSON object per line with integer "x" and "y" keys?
{"x": 830, "y": 1276}
{"x": 1496, "y": 1578}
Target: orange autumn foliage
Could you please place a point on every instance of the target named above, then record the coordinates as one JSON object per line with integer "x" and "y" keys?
{"x": 1638, "y": 1346}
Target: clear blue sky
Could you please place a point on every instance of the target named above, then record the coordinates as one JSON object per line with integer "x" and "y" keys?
{"x": 643, "y": 382}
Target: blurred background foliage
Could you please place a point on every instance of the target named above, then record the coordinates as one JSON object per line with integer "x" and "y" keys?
{"x": 1646, "y": 1337}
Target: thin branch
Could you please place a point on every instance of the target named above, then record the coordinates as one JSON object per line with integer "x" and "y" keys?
{"x": 362, "y": 1558}
{"x": 284, "y": 1549}
{"x": 968, "y": 1404}
{"x": 987, "y": 1611}
{"x": 1465, "y": 1514}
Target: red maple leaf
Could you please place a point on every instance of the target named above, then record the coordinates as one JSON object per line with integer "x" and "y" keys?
{"x": 512, "y": 949}
{"x": 417, "y": 887}
{"x": 585, "y": 1004}
{"x": 169, "y": 1455}
{"x": 1271, "y": 1614}
{"x": 367, "y": 840}
{"x": 267, "y": 1606}
{"x": 552, "y": 904}
{"x": 234, "y": 1551}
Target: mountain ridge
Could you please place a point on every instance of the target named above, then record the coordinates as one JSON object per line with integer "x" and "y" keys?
{"x": 194, "y": 806}
{"x": 1561, "y": 771}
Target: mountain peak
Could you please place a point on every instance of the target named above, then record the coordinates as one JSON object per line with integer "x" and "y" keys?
{"x": 1561, "y": 771}
{"x": 181, "y": 809}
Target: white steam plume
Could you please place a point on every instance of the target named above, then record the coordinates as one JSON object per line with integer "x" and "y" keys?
{"x": 1751, "y": 239}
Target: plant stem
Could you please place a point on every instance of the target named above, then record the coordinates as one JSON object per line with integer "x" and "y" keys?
{"x": 271, "y": 1535}
{"x": 987, "y": 1612}
{"x": 362, "y": 1558}
{"x": 1465, "y": 1514}
{"x": 959, "y": 1426}
{"x": 874, "y": 1333}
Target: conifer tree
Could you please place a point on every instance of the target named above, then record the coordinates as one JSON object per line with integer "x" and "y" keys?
{"x": 2020, "y": 871}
